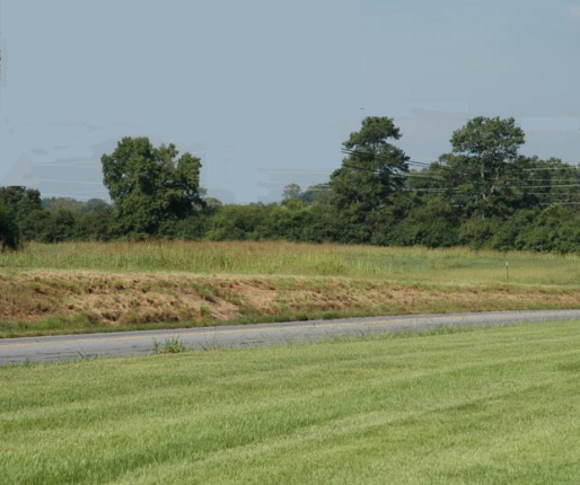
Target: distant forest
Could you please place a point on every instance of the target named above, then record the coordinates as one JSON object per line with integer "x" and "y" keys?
{"x": 483, "y": 194}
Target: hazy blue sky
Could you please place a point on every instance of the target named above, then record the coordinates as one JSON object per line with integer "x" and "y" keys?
{"x": 265, "y": 91}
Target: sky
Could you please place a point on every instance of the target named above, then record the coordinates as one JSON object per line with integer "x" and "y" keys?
{"x": 265, "y": 91}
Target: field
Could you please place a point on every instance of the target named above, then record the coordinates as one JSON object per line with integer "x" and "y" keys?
{"x": 408, "y": 265}
{"x": 87, "y": 287}
{"x": 494, "y": 406}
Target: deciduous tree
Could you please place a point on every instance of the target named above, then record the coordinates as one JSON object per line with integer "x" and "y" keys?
{"x": 151, "y": 186}
{"x": 483, "y": 171}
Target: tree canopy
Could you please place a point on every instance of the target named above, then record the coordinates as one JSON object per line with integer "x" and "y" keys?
{"x": 484, "y": 193}
{"x": 9, "y": 231}
{"x": 372, "y": 169}
{"x": 484, "y": 165}
{"x": 151, "y": 186}
{"x": 291, "y": 191}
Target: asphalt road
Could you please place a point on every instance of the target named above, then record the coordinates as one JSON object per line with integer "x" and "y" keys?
{"x": 68, "y": 347}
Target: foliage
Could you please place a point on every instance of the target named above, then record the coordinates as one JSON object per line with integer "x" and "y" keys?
{"x": 433, "y": 225}
{"x": 481, "y": 170}
{"x": 238, "y": 222}
{"x": 170, "y": 346}
{"x": 149, "y": 185}
{"x": 9, "y": 231}
{"x": 53, "y": 204}
{"x": 371, "y": 172}
{"x": 291, "y": 192}
{"x": 25, "y": 205}
{"x": 316, "y": 193}
{"x": 483, "y": 194}
{"x": 554, "y": 229}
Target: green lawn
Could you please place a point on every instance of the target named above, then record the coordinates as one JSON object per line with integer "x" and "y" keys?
{"x": 497, "y": 406}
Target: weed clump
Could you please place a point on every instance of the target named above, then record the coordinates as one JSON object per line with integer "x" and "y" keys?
{"x": 170, "y": 346}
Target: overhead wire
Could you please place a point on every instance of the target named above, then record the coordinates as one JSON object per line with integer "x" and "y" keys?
{"x": 545, "y": 183}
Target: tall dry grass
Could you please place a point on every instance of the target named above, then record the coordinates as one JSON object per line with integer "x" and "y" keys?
{"x": 282, "y": 258}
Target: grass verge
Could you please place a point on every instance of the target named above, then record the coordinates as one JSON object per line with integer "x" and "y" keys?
{"x": 57, "y": 302}
{"x": 496, "y": 405}
{"x": 405, "y": 265}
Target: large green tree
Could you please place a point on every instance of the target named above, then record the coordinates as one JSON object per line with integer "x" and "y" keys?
{"x": 373, "y": 168}
{"x": 151, "y": 187}
{"x": 484, "y": 172}
{"x": 372, "y": 171}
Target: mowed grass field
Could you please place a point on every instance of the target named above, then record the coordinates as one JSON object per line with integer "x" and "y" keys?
{"x": 90, "y": 287}
{"x": 454, "y": 265}
{"x": 496, "y": 406}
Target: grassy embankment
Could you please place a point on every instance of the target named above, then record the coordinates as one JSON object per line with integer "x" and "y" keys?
{"x": 79, "y": 287}
{"x": 494, "y": 405}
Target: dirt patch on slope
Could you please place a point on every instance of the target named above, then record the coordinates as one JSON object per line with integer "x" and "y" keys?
{"x": 110, "y": 299}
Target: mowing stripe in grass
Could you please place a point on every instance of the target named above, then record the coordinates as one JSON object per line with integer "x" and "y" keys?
{"x": 498, "y": 405}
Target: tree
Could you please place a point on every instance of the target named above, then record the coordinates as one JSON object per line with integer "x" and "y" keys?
{"x": 25, "y": 207}
{"x": 151, "y": 187}
{"x": 9, "y": 231}
{"x": 56, "y": 203}
{"x": 371, "y": 173}
{"x": 316, "y": 193}
{"x": 95, "y": 206}
{"x": 373, "y": 168}
{"x": 61, "y": 225}
{"x": 291, "y": 192}
{"x": 239, "y": 222}
{"x": 288, "y": 221}
{"x": 433, "y": 225}
{"x": 484, "y": 165}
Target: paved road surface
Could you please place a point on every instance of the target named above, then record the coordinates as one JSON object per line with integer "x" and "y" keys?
{"x": 67, "y": 347}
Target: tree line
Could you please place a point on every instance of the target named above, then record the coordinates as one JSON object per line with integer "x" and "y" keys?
{"x": 484, "y": 194}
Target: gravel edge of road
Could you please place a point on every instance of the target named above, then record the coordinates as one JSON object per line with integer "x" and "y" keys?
{"x": 71, "y": 347}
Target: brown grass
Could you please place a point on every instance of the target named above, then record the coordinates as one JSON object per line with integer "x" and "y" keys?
{"x": 61, "y": 301}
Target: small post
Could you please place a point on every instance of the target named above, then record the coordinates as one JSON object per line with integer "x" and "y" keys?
{"x": 507, "y": 271}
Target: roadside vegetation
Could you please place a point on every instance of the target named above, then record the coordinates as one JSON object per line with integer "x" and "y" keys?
{"x": 416, "y": 264}
{"x": 88, "y": 287}
{"x": 332, "y": 250}
{"x": 497, "y": 405}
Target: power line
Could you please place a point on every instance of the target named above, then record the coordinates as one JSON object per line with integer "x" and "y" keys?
{"x": 547, "y": 194}
{"x": 427, "y": 164}
{"x": 396, "y": 174}
{"x": 542, "y": 186}
{"x": 445, "y": 189}
{"x": 551, "y": 180}
{"x": 470, "y": 193}
{"x": 381, "y": 157}
{"x": 550, "y": 168}
{"x": 560, "y": 203}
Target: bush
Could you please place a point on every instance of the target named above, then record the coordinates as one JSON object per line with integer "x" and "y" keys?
{"x": 9, "y": 231}
{"x": 433, "y": 225}
{"x": 238, "y": 222}
{"x": 556, "y": 228}
{"x": 508, "y": 235}
{"x": 478, "y": 232}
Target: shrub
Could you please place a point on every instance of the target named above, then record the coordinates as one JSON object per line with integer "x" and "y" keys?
{"x": 9, "y": 231}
